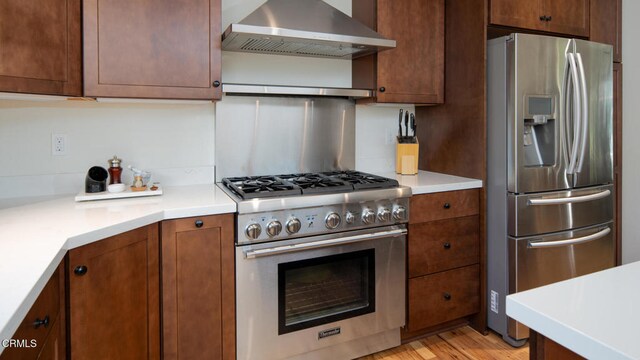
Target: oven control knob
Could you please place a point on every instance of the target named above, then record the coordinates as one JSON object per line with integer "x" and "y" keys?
{"x": 368, "y": 216}
{"x": 400, "y": 213}
{"x": 293, "y": 226}
{"x": 349, "y": 217}
{"x": 253, "y": 231}
{"x": 384, "y": 215}
{"x": 274, "y": 228}
{"x": 332, "y": 221}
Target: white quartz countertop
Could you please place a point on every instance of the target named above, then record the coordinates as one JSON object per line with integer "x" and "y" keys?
{"x": 35, "y": 237}
{"x": 595, "y": 316}
{"x": 425, "y": 182}
{"x": 36, "y": 233}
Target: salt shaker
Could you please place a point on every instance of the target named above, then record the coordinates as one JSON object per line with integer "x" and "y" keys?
{"x": 115, "y": 171}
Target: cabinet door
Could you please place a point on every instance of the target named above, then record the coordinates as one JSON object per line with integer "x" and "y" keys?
{"x": 568, "y": 16}
{"x": 42, "y": 329}
{"x": 413, "y": 72}
{"x": 605, "y": 24}
{"x": 40, "y": 42}
{"x": 152, "y": 49}
{"x": 114, "y": 297}
{"x": 198, "y": 292}
{"x": 517, "y": 13}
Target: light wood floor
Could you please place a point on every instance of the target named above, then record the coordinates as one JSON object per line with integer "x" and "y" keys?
{"x": 462, "y": 343}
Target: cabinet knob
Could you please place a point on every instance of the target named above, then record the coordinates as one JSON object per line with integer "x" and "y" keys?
{"x": 446, "y": 206}
{"x": 41, "y": 322}
{"x": 382, "y": 89}
{"x": 216, "y": 83}
{"x": 446, "y": 296}
{"x": 199, "y": 223}
{"x": 80, "y": 270}
{"x": 543, "y": 18}
{"x": 548, "y": 18}
{"x": 447, "y": 245}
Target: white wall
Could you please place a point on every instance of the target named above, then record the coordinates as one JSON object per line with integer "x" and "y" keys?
{"x": 174, "y": 142}
{"x": 630, "y": 127}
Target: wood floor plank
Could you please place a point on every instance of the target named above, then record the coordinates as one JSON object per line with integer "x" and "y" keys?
{"x": 460, "y": 344}
{"x": 442, "y": 349}
{"x": 477, "y": 346}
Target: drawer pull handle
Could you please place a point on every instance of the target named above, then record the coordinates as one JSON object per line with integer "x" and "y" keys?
{"x": 80, "y": 270}
{"x": 447, "y": 296}
{"x": 41, "y": 322}
{"x": 447, "y": 245}
{"x": 447, "y": 206}
{"x": 199, "y": 223}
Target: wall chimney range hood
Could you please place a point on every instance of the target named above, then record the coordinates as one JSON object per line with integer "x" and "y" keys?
{"x": 309, "y": 28}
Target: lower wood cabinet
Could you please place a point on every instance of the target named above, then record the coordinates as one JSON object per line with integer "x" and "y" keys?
{"x": 41, "y": 335}
{"x": 198, "y": 288}
{"x": 444, "y": 296}
{"x": 443, "y": 255}
{"x": 114, "y": 304}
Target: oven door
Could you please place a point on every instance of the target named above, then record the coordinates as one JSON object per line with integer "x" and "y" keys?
{"x": 298, "y": 296}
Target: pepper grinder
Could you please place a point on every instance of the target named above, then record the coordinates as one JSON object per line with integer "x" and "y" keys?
{"x": 115, "y": 170}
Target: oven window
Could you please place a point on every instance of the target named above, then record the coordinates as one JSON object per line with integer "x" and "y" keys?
{"x": 322, "y": 290}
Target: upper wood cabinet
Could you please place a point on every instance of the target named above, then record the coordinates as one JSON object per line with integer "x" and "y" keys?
{"x": 413, "y": 72}
{"x": 114, "y": 301}
{"x": 606, "y": 24}
{"x": 40, "y": 47}
{"x": 152, "y": 49}
{"x": 570, "y": 17}
{"x": 198, "y": 292}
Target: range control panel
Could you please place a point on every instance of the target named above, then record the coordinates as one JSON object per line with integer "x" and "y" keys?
{"x": 293, "y": 223}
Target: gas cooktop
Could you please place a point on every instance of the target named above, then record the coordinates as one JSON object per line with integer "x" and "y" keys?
{"x": 250, "y": 187}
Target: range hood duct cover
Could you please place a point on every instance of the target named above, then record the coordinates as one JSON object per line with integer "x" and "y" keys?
{"x": 310, "y": 28}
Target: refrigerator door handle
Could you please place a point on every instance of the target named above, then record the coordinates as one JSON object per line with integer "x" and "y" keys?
{"x": 576, "y": 114}
{"x": 584, "y": 121}
{"x": 541, "y": 244}
{"x": 569, "y": 200}
{"x": 565, "y": 101}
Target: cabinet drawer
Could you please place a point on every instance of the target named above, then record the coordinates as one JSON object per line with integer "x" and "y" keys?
{"x": 443, "y": 245}
{"x": 444, "y": 205}
{"x": 45, "y": 308}
{"x": 445, "y": 296}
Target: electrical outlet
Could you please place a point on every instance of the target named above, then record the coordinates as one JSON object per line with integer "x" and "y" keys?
{"x": 494, "y": 302}
{"x": 58, "y": 144}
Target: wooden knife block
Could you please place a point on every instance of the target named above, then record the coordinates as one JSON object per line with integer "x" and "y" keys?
{"x": 407, "y": 158}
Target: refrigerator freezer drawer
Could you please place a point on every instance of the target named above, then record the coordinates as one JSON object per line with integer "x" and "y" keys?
{"x": 549, "y": 212}
{"x": 541, "y": 260}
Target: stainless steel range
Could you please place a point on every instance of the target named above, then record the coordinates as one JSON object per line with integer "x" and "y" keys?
{"x": 320, "y": 264}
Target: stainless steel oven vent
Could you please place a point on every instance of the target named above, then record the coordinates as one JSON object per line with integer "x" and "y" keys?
{"x": 297, "y": 48}
{"x": 303, "y": 28}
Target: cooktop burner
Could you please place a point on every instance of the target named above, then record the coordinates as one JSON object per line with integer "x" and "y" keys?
{"x": 312, "y": 183}
{"x": 360, "y": 180}
{"x": 250, "y": 187}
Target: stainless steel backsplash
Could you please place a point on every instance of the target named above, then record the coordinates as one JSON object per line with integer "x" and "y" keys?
{"x": 275, "y": 135}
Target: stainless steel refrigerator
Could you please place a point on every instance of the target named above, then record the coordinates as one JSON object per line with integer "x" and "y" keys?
{"x": 549, "y": 167}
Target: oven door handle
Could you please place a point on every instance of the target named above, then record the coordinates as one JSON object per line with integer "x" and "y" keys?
{"x": 252, "y": 254}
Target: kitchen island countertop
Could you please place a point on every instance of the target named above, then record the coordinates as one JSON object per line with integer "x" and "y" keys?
{"x": 35, "y": 237}
{"x": 595, "y": 315}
